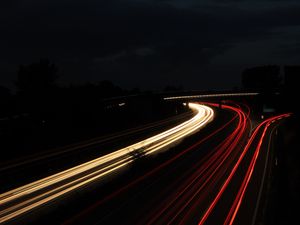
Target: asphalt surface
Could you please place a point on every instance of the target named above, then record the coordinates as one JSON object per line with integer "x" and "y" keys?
{"x": 216, "y": 176}
{"x": 22, "y": 171}
{"x": 139, "y": 190}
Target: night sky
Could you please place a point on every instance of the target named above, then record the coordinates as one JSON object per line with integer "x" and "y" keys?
{"x": 199, "y": 44}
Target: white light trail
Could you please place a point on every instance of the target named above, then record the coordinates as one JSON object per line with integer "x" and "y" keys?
{"x": 25, "y": 198}
{"x": 212, "y": 95}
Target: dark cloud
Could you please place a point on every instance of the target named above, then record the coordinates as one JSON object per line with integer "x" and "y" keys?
{"x": 125, "y": 40}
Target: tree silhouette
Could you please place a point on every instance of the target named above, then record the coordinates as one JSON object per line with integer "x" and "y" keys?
{"x": 291, "y": 85}
{"x": 36, "y": 86}
{"x": 291, "y": 77}
{"x": 4, "y": 92}
{"x": 262, "y": 78}
{"x": 5, "y": 101}
{"x": 36, "y": 78}
{"x": 172, "y": 88}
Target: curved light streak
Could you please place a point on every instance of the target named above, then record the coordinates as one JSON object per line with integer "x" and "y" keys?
{"x": 25, "y": 198}
{"x": 237, "y": 202}
{"x": 240, "y": 195}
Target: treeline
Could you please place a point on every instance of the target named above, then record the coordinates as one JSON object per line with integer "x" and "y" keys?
{"x": 39, "y": 93}
{"x": 270, "y": 78}
{"x": 42, "y": 114}
{"x": 277, "y": 84}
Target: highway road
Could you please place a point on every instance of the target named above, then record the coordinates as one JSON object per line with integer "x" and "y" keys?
{"x": 26, "y": 198}
{"x": 24, "y": 170}
{"x": 244, "y": 208}
{"x": 215, "y": 176}
{"x": 204, "y": 183}
{"x": 98, "y": 141}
